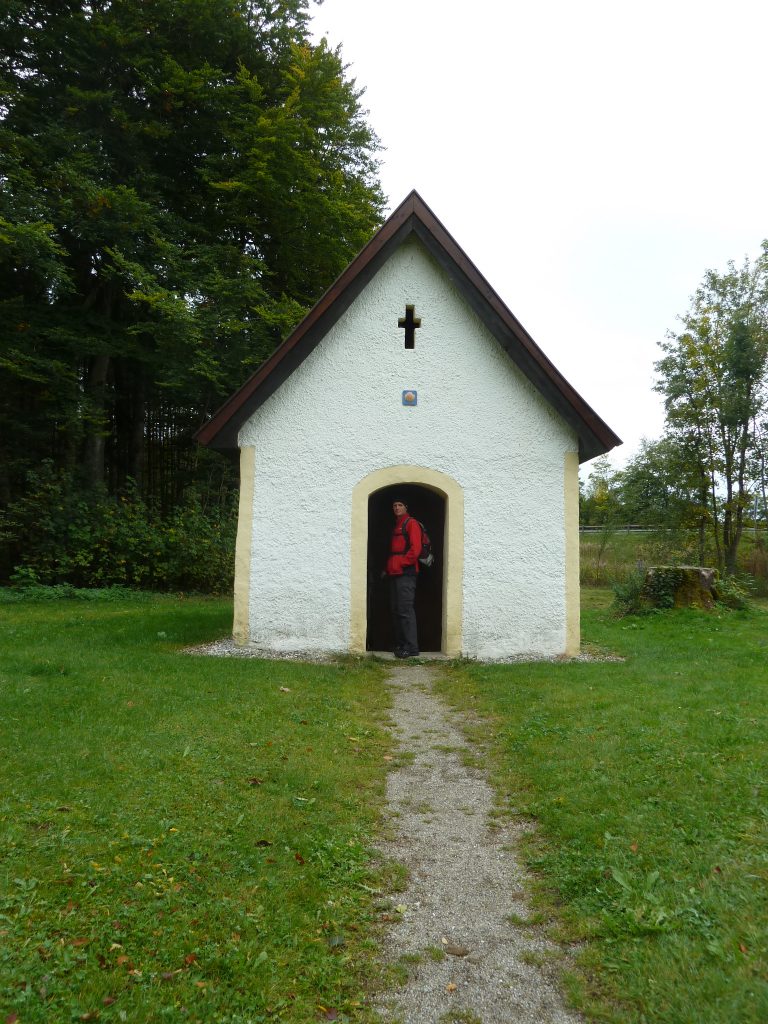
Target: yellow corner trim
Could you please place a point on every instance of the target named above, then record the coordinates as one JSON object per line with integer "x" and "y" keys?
{"x": 572, "y": 590}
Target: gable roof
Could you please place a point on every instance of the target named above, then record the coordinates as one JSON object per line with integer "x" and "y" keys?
{"x": 412, "y": 217}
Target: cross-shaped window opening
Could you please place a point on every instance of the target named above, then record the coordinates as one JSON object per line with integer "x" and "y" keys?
{"x": 410, "y": 323}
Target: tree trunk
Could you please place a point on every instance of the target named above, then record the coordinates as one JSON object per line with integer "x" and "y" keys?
{"x": 137, "y": 430}
{"x": 702, "y": 538}
{"x": 95, "y": 422}
{"x": 716, "y": 523}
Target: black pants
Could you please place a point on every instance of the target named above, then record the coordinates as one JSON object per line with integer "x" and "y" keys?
{"x": 402, "y": 593}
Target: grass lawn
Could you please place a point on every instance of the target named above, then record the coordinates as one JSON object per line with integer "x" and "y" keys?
{"x": 610, "y": 555}
{"x": 181, "y": 838}
{"x": 188, "y": 838}
{"x": 649, "y": 780}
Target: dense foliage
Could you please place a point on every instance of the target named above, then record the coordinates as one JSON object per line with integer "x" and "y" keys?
{"x": 179, "y": 181}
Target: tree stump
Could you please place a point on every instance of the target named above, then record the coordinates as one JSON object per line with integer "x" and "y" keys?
{"x": 680, "y": 586}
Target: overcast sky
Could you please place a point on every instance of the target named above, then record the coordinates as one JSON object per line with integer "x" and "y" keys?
{"x": 592, "y": 158}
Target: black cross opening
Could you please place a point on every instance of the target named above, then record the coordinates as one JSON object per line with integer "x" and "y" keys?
{"x": 410, "y": 323}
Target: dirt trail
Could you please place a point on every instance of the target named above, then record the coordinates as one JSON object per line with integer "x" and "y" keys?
{"x": 466, "y": 961}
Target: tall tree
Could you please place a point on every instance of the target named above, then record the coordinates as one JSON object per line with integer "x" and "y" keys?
{"x": 713, "y": 379}
{"x": 599, "y": 500}
{"x": 179, "y": 181}
{"x": 661, "y": 487}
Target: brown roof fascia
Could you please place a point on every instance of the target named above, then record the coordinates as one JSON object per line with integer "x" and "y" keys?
{"x": 413, "y": 215}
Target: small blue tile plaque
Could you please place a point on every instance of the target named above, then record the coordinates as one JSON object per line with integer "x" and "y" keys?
{"x": 410, "y": 397}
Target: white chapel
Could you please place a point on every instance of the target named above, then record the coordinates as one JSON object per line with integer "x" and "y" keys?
{"x": 410, "y": 378}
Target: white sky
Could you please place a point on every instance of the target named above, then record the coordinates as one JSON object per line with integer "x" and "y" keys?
{"x": 593, "y": 158}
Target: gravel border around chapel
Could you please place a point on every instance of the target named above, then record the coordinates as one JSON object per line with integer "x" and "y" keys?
{"x": 227, "y": 648}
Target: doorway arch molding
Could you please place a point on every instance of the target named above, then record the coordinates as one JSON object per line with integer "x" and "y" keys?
{"x": 453, "y": 555}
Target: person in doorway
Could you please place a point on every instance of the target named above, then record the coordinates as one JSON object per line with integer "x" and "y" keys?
{"x": 403, "y": 570}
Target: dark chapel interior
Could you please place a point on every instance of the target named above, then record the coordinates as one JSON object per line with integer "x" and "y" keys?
{"x": 428, "y": 507}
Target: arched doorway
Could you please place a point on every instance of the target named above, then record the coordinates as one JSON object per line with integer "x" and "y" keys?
{"x": 428, "y": 506}
{"x": 451, "y": 498}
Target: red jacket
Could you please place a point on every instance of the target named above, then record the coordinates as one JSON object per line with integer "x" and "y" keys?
{"x": 404, "y": 557}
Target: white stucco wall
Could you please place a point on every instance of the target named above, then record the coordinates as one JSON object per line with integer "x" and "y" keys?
{"x": 339, "y": 417}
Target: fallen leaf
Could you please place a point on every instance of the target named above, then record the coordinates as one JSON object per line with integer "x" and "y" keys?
{"x": 108, "y": 1000}
{"x": 190, "y": 958}
{"x": 633, "y": 847}
{"x": 200, "y": 984}
{"x": 400, "y": 908}
{"x": 388, "y": 757}
{"x": 79, "y": 942}
{"x": 450, "y": 987}
{"x": 454, "y": 950}
{"x": 742, "y": 947}
{"x": 331, "y": 1014}
{"x": 297, "y": 856}
{"x": 11, "y": 1018}
{"x": 255, "y": 782}
{"x": 91, "y": 1015}
{"x": 285, "y": 689}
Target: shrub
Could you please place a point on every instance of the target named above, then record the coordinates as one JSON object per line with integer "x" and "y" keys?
{"x": 56, "y": 535}
{"x": 629, "y": 596}
{"x": 732, "y": 593}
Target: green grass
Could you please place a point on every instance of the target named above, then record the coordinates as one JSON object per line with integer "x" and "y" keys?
{"x": 649, "y": 781}
{"x": 611, "y": 555}
{"x": 180, "y": 838}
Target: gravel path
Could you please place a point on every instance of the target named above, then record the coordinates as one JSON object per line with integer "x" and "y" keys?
{"x": 466, "y": 962}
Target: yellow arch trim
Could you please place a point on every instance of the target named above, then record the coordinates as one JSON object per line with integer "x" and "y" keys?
{"x": 453, "y": 556}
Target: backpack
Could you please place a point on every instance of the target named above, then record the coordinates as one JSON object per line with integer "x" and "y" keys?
{"x": 427, "y": 557}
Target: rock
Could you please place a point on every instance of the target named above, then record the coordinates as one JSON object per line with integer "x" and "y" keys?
{"x": 680, "y": 586}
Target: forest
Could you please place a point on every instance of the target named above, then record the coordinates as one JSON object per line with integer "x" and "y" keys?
{"x": 179, "y": 183}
